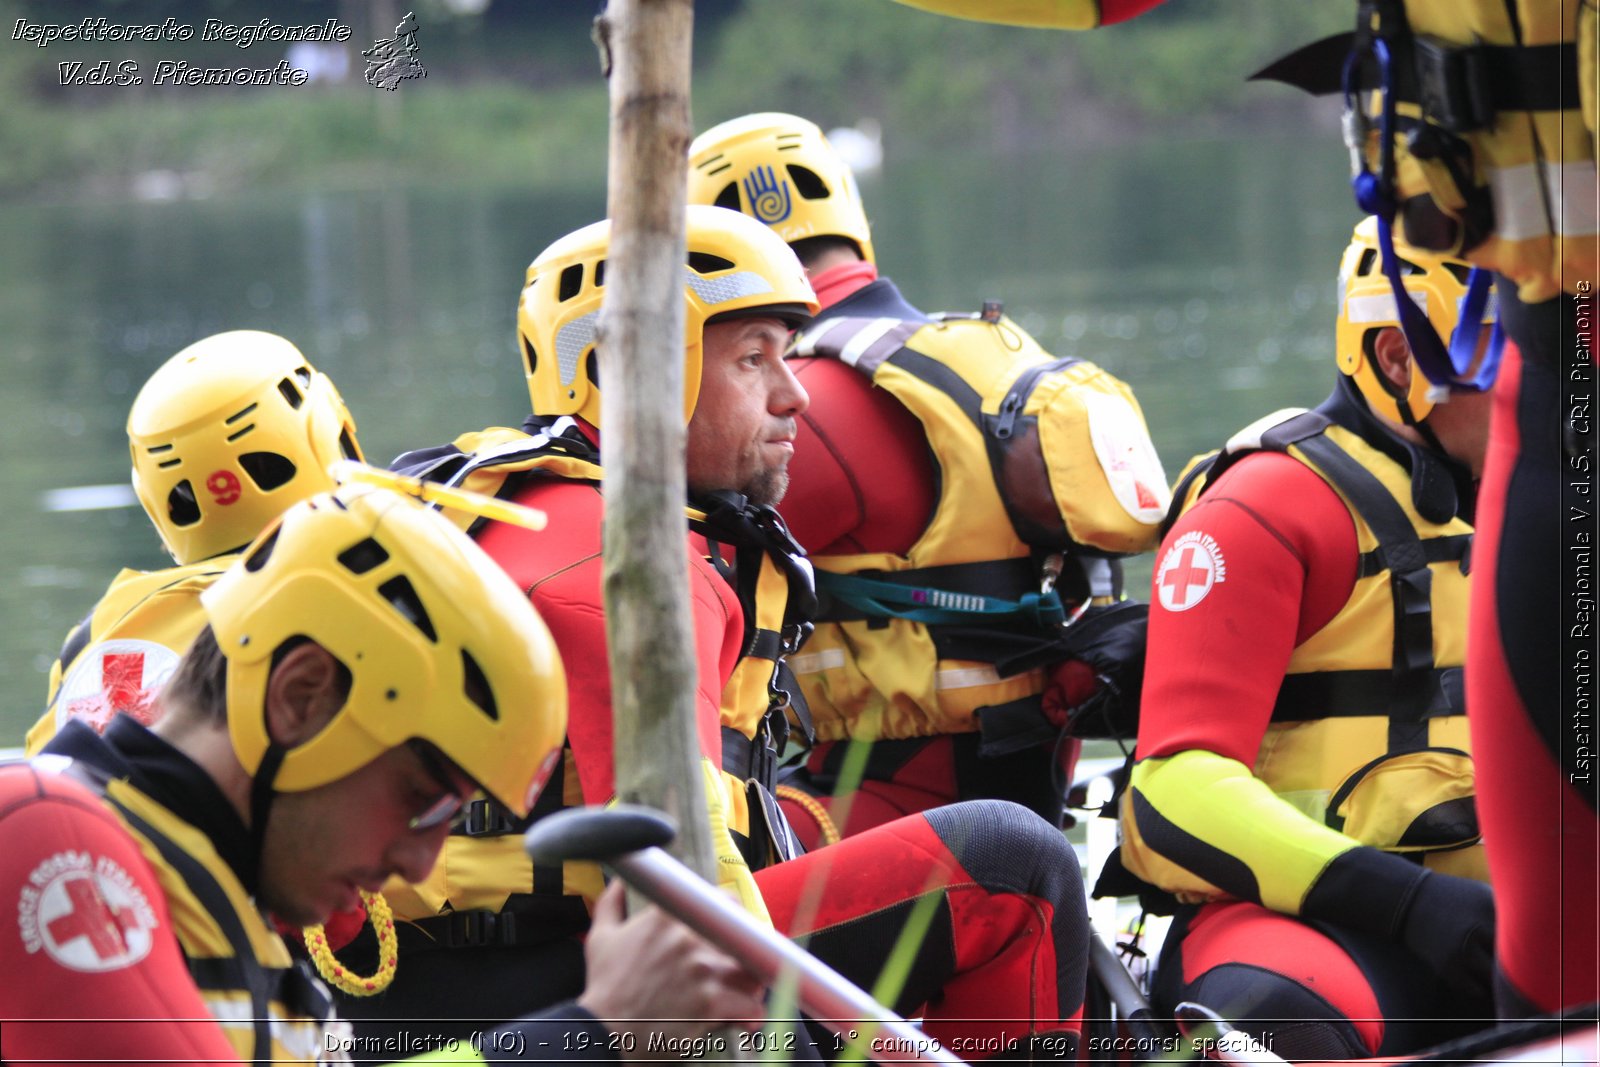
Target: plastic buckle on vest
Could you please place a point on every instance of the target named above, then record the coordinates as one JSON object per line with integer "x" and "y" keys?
{"x": 1453, "y": 85}
{"x": 485, "y": 818}
{"x": 479, "y": 928}
{"x": 795, "y": 634}
{"x": 763, "y": 761}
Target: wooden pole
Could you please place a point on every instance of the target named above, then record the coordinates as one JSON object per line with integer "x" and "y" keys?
{"x": 644, "y": 47}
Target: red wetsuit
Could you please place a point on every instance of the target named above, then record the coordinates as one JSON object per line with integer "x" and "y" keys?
{"x": 560, "y": 568}
{"x": 1288, "y": 553}
{"x": 1531, "y": 663}
{"x": 72, "y": 951}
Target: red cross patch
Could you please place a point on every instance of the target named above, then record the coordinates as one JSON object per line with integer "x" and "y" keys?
{"x": 123, "y": 674}
{"x": 86, "y": 913}
{"x": 1189, "y": 570}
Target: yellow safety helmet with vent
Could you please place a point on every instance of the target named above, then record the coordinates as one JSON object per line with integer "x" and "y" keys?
{"x": 734, "y": 267}
{"x": 440, "y": 644}
{"x": 1366, "y": 306}
{"x": 779, "y": 169}
{"x": 227, "y": 434}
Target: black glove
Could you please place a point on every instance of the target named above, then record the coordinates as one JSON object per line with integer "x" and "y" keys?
{"x": 1445, "y": 921}
{"x": 1450, "y": 924}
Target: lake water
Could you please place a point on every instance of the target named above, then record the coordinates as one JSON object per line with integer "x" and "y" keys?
{"x": 1202, "y": 273}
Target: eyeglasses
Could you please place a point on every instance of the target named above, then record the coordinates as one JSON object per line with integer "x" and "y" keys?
{"x": 451, "y": 806}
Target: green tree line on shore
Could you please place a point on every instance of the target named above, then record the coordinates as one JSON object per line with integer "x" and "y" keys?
{"x": 513, "y": 92}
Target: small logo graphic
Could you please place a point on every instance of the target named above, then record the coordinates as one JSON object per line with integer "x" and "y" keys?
{"x": 223, "y": 486}
{"x": 392, "y": 61}
{"x": 769, "y": 197}
{"x": 123, "y": 674}
{"x": 85, "y": 913}
{"x": 1188, "y": 571}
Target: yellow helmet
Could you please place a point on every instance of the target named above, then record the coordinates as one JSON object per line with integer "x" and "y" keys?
{"x": 440, "y": 644}
{"x": 735, "y": 266}
{"x": 1366, "y": 305}
{"x": 779, "y": 169}
{"x": 227, "y": 434}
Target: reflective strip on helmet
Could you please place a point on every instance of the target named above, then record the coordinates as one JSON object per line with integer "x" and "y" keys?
{"x": 1380, "y": 307}
{"x": 571, "y": 340}
{"x": 714, "y": 291}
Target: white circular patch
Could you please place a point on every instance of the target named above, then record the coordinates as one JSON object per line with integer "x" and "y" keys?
{"x": 85, "y": 913}
{"x": 1189, "y": 570}
{"x": 123, "y": 674}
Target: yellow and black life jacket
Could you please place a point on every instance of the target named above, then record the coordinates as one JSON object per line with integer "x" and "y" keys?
{"x": 484, "y": 889}
{"x": 118, "y": 657}
{"x": 1492, "y": 134}
{"x": 271, "y": 1007}
{"x": 1369, "y": 731}
{"x": 1045, "y": 469}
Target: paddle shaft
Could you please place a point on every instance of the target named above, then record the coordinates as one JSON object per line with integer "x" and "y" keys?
{"x": 824, "y": 994}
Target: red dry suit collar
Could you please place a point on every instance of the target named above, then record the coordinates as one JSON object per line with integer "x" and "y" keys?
{"x": 836, "y": 283}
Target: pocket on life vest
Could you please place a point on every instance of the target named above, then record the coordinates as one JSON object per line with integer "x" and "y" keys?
{"x": 1079, "y": 466}
{"x": 1409, "y": 802}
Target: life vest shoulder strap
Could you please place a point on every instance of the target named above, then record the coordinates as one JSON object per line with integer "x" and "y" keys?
{"x": 862, "y": 343}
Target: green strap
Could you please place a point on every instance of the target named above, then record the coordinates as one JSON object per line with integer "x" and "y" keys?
{"x": 928, "y": 605}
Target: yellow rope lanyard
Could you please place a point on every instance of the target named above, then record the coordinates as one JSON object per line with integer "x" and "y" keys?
{"x": 830, "y": 832}
{"x": 341, "y": 977}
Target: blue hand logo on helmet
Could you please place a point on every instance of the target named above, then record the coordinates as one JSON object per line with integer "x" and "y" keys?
{"x": 769, "y": 198}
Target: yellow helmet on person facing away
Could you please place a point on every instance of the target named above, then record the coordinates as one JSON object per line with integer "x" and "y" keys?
{"x": 734, "y": 266}
{"x": 779, "y": 169}
{"x": 1366, "y": 305}
{"x": 440, "y": 644}
{"x": 227, "y": 434}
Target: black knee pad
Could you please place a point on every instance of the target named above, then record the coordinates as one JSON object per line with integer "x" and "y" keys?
{"x": 1009, "y": 849}
{"x": 1289, "y": 1019}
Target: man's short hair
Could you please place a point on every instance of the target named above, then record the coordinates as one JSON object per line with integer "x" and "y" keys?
{"x": 201, "y": 680}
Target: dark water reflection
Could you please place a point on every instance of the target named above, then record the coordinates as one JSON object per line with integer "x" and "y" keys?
{"x": 1200, "y": 272}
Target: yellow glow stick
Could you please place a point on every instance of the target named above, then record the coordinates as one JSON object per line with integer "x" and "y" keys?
{"x": 348, "y": 470}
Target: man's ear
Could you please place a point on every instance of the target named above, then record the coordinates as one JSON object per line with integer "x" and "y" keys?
{"x": 1393, "y": 357}
{"x": 304, "y": 692}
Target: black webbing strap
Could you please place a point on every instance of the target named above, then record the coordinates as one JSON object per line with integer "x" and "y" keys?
{"x": 1399, "y": 550}
{"x": 1414, "y": 698}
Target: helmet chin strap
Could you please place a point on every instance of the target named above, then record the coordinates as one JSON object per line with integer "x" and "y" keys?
{"x": 261, "y": 796}
{"x": 1433, "y": 490}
